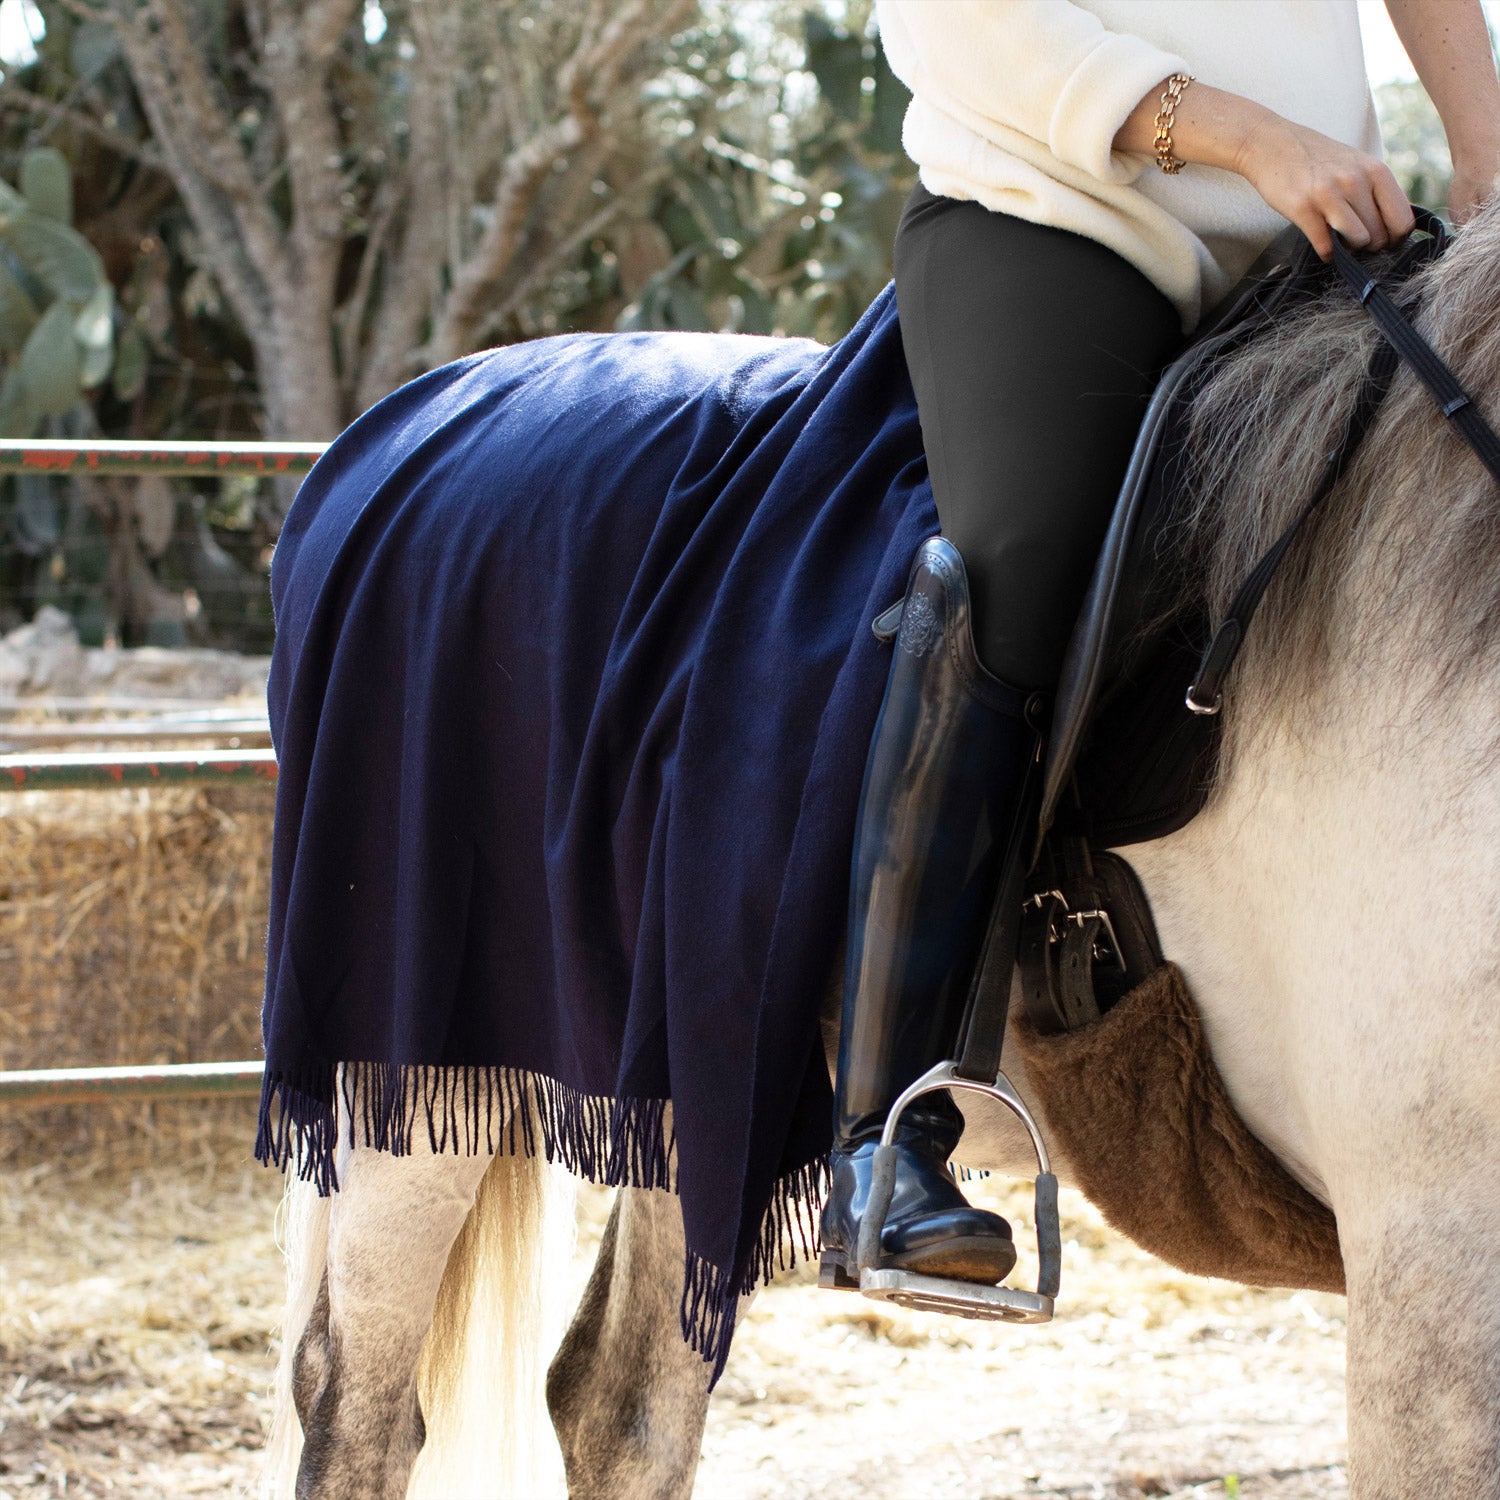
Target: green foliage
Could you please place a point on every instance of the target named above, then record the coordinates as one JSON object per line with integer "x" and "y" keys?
{"x": 837, "y": 60}
{"x": 772, "y": 129}
{"x": 47, "y": 184}
{"x": 92, "y": 47}
{"x": 778, "y": 126}
{"x": 57, "y": 306}
{"x": 57, "y": 350}
{"x": 1415, "y": 145}
{"x": 783, "y": 129}
{"x": 97, "y": 248}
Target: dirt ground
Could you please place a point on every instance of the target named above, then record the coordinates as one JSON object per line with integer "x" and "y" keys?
{"x": 136, "y": 1315}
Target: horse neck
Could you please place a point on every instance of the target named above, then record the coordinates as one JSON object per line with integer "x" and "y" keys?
{"x": 1332, "y": 910}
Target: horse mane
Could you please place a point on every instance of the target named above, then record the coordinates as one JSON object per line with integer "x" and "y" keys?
{"x": 1407, "y": 547}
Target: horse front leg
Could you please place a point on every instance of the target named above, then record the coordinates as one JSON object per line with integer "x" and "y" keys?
{"x": 391, "y": 1226}
{"x": 628, "y": 1397}
{"x": 1423, "y": 1271}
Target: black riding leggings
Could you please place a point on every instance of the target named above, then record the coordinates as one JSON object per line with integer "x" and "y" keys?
{"x": 1033, "y": 351}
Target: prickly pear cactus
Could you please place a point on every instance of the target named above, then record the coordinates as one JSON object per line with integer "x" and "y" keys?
{"x": 57, "y": 308}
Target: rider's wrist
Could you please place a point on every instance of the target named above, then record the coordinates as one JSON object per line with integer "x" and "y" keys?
{"x": 1475, "y": 149}
{"x": 1262, "y": 136}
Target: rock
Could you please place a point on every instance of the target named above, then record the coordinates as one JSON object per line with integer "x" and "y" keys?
{"x": 14, "y": 668}
{"x": 45, "y": 658}
{"x": 155, "y": 671}
{"x": 46, "y": 654}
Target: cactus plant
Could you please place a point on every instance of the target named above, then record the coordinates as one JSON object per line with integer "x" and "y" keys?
{"x": 57, "y": 308}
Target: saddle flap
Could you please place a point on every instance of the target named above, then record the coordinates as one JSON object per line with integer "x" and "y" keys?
{"x": 1122, "y": 631}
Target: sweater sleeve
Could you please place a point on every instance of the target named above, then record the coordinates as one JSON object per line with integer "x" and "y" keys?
{"x": 1046, "y": 68}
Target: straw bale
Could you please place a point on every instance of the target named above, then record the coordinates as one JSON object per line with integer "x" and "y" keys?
{"x": 132, "y": 930}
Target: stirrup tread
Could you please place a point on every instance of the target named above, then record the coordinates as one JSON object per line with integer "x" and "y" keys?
{"x": 962, "y": 1299}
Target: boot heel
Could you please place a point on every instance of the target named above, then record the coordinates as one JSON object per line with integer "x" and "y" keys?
{"x": 832, "y": 1276}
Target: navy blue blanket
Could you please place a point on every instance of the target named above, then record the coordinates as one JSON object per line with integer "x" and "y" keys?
{"x": 572, "y": 692}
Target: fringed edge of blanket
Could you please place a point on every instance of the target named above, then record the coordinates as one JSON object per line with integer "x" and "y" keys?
{"x": 710, "y": 1295}
{"x": 612, "y": 1142}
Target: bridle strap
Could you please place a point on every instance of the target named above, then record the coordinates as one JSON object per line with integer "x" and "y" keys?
{"x": 1399, "y": 341}
{"x": 1205, "y": 696}
{"x": 1452, "y": 399}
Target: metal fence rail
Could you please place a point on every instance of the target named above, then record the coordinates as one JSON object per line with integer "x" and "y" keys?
{"x": 169, "y": 460}
{"x": 69, "y": 732}
{"x": 225, "y": 1080}
{"x": 32, "y": 772}
{"x": 221, "y": 1080}
{"x": 71, "y": 769}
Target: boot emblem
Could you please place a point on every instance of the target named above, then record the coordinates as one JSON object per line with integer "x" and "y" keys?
{"x": 919, "y": 625}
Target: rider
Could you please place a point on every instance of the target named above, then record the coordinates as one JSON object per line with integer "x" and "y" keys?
{"x": 1093, "y": 175}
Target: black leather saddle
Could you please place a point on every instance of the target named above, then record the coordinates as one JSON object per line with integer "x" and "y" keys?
{"x": 1128, "y": 761}
{"x": 1123, "y": 744}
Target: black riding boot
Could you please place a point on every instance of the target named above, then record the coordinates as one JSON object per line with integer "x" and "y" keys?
{"x": 935, "y": 815}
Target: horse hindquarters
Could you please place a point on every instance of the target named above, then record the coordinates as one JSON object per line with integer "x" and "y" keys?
{"x": 628, "y": 1397}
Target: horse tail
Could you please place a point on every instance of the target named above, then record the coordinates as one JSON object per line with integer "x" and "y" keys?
{"x": 499, "y": 1314}
{"x": 302, "y": 1234}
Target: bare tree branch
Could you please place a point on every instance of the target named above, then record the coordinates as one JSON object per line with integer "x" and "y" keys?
{"x": 325, "y": 24}
{"x": 351, "y": 318}
{"x": 297, "y": 81}
{"x": 548, "y": 264}
{"x": 85, "y": 12}
{"x": 23, "y": 101}
{"x": 414, "y": 269}
{"x": 180, "y": 103}
{"x": 232, "y": 265}
{"x": 464, "y": 156}
{"x": 595, "y": 68}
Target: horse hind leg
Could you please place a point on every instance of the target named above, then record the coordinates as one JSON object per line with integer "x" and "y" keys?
{"x": 628, "y": 1397}
{"x": 391, "y": 1226}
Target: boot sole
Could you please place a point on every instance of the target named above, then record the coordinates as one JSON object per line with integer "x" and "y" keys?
{"x": 833, "y": 1275}
{"x": 979, "y": 1258}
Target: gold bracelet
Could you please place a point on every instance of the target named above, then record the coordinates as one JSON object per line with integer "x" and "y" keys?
{"x": 1169, "y": 164}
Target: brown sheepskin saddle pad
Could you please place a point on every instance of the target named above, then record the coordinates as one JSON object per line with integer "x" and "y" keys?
{"x": 1136, "y": 1105}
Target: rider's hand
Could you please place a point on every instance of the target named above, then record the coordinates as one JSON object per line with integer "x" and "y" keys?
{"x": 1321, "y": 185}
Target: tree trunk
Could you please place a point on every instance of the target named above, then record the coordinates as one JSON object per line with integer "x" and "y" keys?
{"x": 483, "y": 128}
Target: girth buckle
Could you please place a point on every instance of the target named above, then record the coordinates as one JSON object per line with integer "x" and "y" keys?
{"x": 1105, "y": 947}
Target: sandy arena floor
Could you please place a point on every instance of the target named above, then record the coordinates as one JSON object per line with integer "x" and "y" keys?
{"x": 135, "y": 1317}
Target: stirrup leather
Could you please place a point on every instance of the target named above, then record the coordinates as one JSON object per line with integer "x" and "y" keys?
{"x": 964, "y": 1299}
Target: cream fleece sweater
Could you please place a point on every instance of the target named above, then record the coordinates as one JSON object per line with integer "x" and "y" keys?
{"x": 1016, "y": 102}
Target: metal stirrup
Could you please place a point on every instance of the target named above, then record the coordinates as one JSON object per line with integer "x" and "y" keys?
{"x": 966, "y": 1299}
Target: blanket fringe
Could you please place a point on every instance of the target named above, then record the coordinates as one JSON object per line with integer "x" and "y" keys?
{"x": 509, "y": 1111}
{"x": 710, "y": 1297}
